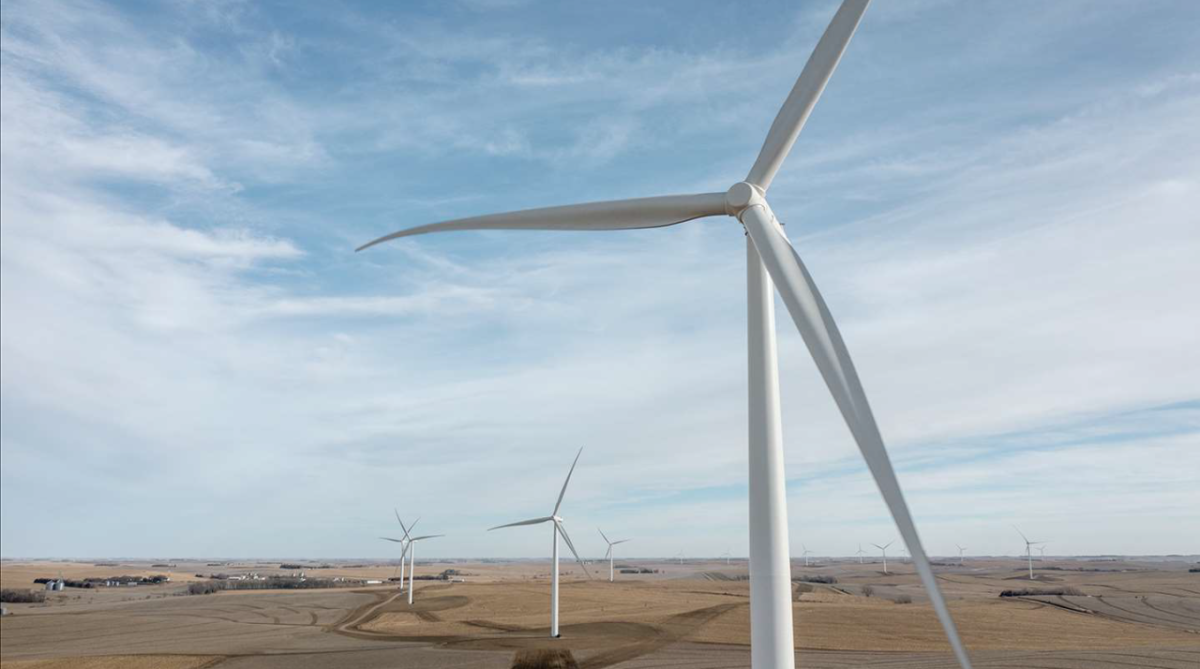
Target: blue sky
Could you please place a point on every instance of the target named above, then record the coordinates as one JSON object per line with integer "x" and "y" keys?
{"x": 998, "y": 199}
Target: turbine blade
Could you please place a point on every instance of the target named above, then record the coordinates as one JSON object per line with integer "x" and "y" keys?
{"x": 532, "y": 521}
{"x": 804, "y": 95}
{"x": 410, "y": 528}
{"x": 567, "y": 539}
{"x": 824, "y": 342}
{"x": 399, "y": 541}
{"x": 564, "y": 488}
{"x": 608, "y": 552}
{"x": 1025, "y": 538}
{"x": 427, "y": 536}
{"x": 623, "y": 541}
{"x": 602, "y": 534}
{"x": 637, "y": 213}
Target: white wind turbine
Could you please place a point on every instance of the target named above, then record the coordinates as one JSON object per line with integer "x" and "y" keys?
{"x": 961, "y": 549}
{"x": 1042, "y": 552}
{"x": 771, "y": 262}
{"x": 806, "y": 553}
{"x": 404, "y": 543}
{"x": 412, "y": 560}
{"x": 860, "y": 554}
{"x": 883, "y": 549}
{"x": 1028, "y": 549}
{"x": 609, "y": 554}
{"x": 727, "y": 555}
{"x": 557, "y": 522}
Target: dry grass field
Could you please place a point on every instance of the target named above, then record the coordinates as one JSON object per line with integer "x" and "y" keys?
{"x": 1130, "y": 614}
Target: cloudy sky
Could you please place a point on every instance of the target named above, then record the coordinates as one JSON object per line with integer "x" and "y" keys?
{"x": 1000, "y": 200}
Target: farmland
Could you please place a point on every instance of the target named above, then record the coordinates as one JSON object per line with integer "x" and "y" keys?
{"x": 694, "y": 615}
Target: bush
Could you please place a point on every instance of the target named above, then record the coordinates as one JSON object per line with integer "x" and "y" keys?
{"x": 827, "y": 580}
{"x": 544, "y": 659}
{"x": 902, "y": 599}
{"x": 1041, "y": 592}
{"x": 204, "y": 588}
{"x": 867, "y": 591}
{"x": 14, "y": 596}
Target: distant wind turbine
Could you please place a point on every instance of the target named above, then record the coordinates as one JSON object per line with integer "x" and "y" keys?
{"x": 1028, "y": 549}
{"x": 609, "y": 554}
{"x": 772, "y": 264}
{"x": 404, "y": 543}
{"x": 680, "y": 556}
{"x": 557, "y": 523}
{"x": 960, "y": 554}
{"x": 806, "y": 553}
{"x": 726, "y": 555}
{"x": 883, "y": 548}
{"x": 1042, "y": 552}
{"x": 860, "y": 554}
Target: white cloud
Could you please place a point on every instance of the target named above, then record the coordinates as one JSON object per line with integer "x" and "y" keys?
{"x": 164, "y": 314}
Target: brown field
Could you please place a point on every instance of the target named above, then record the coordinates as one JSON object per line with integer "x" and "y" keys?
{"x": 1130, "y": 614}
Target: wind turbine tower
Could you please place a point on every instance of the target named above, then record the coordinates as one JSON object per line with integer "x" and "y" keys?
{"x": 609, "y": 555}
{"x": 1028, "y": 549}
{"x": 558, "y": 527}
{"x": 772, "y": 265}
{"x": 412, "y": 560}
{"x": 883, "y": 549}
{"x": 404, "y": 543}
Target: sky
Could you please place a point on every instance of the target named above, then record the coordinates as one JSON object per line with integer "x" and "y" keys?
{"x": 999, "y": 200}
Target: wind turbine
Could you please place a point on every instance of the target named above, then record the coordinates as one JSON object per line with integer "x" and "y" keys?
{"x": 679, "y": 556}
{"x": 772, "y": 261}
{"x": 609, "y": 555}
{"x": 1042, "y": 552}
{"x": 883, "y": 548}
{"x": 404, "y": 543}
{"x": 860, "y": 554}
{"x": 727, "y": 555}
{"x": 412, "y": 560}
{"x": 960, "y": 554}
{"x": 806, "y": 553}
{"x": 557, "y": 522}
{"x": 1028, "y": 549}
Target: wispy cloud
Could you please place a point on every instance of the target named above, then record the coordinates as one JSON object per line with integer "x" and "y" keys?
{"x": 185, "y": 326}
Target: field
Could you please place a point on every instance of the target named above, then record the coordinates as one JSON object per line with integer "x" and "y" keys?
{"x": 1113, "y": 614}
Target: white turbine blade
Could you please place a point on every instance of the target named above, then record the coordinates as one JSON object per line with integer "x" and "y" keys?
{"x": 410, "y": 528}
{"x": 645, "y": 212}
{"x": 623, "y": 541}
{"x": 533, "y": 521}
{"x": 608, "y": 552}
{"x": 804, "y": 95}
{"x": 1023, "y": 537}
{"x": 564, "y": 488}
{"x": 427, "y": 536}
{"x": 399, "y": 541}
{"x": 824, "y": 342}
{"x": 602, "y": 534}
{"x": 570, "y": 545}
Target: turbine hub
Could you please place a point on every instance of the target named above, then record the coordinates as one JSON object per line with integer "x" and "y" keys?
{"x": 740, "y": 196}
